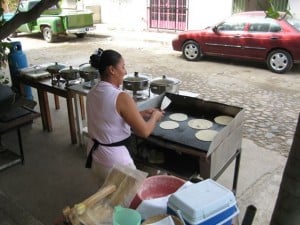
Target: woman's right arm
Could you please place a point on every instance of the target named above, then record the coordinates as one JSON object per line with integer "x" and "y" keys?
{"x": 128, "y": 110}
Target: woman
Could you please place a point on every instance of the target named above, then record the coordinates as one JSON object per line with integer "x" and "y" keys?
{"x": 112, "y": 114}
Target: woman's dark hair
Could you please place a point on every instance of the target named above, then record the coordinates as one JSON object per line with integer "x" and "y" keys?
{"x": 103, "y": 59}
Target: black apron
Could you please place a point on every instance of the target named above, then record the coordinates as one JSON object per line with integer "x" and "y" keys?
{"x": 89, "y": 160}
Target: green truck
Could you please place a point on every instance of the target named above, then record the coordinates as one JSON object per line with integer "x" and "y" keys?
{"x": 55, "y": 21}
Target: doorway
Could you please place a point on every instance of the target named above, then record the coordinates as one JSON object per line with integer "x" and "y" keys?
{"x": 168, "y": 14}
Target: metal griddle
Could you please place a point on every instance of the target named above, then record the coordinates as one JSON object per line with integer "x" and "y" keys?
{"x": 196, "y": 108}
{"x": 184, "y": 134}
{"x": 181, "y": 147}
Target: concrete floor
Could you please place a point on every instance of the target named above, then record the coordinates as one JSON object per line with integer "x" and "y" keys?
{"x": 54, "y": 176}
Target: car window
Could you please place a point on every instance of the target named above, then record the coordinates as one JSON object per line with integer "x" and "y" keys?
{"x": 232, "y": 24}
{"x": 259, "y": 27}
{"x": 264, "y": 25}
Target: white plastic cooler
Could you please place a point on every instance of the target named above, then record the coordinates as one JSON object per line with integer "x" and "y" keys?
{"x": 204, "y": 203}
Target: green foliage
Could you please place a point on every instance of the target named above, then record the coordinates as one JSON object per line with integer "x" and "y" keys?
{"x": 273, "y": 12}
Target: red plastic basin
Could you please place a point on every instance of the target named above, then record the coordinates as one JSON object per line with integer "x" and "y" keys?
{"x": 155, "y": 187}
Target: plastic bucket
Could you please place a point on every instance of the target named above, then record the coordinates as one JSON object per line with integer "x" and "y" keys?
{"x": 125, "y": 216}
{"x": 156, "y": 187}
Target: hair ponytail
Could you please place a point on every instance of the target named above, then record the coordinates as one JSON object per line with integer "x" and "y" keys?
{"x": 102, "y": 59}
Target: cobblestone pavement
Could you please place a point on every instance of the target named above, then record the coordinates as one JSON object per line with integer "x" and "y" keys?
{"x": 271, "y": 101}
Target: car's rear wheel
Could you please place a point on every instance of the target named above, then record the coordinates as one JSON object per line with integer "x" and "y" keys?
{"x": 279, "y": 61}
{"x": 192, "y": 51}
{"x": 48, "y": 34}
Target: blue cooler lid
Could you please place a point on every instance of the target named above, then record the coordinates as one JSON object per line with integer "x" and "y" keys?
{"x": 202, "y": 200}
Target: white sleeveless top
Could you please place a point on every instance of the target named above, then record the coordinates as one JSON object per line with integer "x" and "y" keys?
{"x": 106, "y": 125}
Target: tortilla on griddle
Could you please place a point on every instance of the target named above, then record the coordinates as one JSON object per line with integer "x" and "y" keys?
{"x": 178, "y": 117}
{"x": 206, "y": 135}
{"x": 223, "y": 120}
{"x": 201, "y": 124}
{"x": 169, "y": 125}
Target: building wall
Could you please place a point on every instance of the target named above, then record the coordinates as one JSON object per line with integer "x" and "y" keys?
{"x": 295, "y": 7}
{"x": 203, "y": 13}
{"x": 122, "y": 14}
{"x": 132, "y": 14}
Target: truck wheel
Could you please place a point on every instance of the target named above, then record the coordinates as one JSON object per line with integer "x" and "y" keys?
{"x": 48, "y": 34}
{"x": 80, "y": 35}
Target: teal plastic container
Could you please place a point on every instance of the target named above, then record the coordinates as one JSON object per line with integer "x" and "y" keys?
{"x": 126, "y": 216}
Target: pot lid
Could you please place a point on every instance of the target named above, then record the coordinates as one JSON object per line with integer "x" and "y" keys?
{"x": 69, "y": 70}
{"x": 56, "y": 67}
{"x": 164, "y": 81}
{"x": 87, "y": 68}
{"x": 136, "y": 77}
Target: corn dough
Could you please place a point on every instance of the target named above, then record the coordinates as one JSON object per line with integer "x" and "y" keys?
{"x": 169, "y": 125}
{"x": 178, "y": 117}
{"x": 223, "y": 120}
{"x": 201, "y": 124}
{"x": 206, "y": 135}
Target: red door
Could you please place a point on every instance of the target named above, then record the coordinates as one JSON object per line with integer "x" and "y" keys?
{"x": 168, "y": 14}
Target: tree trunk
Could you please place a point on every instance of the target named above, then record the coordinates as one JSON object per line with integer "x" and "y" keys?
{"x": 287, "y": 207}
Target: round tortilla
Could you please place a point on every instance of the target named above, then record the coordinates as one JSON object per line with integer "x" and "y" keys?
{"x": 169, "y": 125}
{"x": 223, "y": 120}
{"x": 201, "y": 124}
{"x": 178, "y": 117}
{"x": 206, "y": 135}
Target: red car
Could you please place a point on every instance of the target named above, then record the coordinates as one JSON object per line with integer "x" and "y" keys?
{"x": 249, "y": 36}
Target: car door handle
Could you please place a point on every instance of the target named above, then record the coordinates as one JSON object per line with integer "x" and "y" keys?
{"x": 274, "y": 38}
{"x": 237, "y": 36}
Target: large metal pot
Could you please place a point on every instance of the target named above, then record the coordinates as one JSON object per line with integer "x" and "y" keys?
{"x": 164, "y": 84}
{"x": 88, "y": 72}
{"x": 136, "y": 82}
{"x": 55, "y": 68}
{"x": 69, "y": 74}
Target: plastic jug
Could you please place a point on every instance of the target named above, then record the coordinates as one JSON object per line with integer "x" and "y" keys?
{"x": 126, "y": 216}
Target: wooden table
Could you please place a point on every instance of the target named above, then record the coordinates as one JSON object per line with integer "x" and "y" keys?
{"x": 16, "y": 124}
{"x": 44, "y": 86}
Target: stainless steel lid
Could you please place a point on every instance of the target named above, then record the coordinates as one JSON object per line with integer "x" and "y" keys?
{"x": 55, "y": 67}
{"x": 164, "y": 81}
{"x": 69, "y": 73}
{"x": 87, "y": 68}
{"x": 69, "y": 70}
{"x": 136, "y": 78}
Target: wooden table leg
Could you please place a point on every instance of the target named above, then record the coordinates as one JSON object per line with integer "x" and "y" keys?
{"x": 42, "y": 109}
{"x": 20, "y": 145}
{"x": 82, "y": 109}
{"x": 71, "y": 119}
{"x": 56, "y": 101}
{"x": 78, "y": 118}
{"x": 45, "y": 111}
